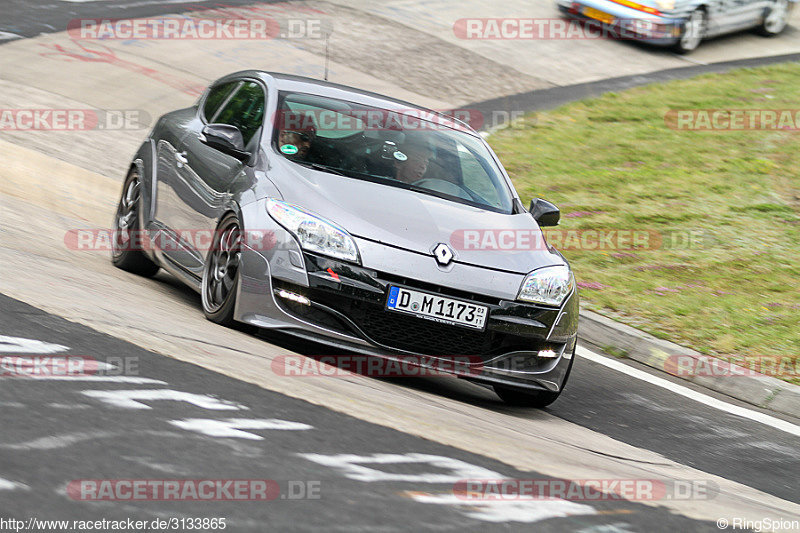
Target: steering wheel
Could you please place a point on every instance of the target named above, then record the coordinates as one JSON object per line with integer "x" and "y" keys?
{"x": 443, "y": 186}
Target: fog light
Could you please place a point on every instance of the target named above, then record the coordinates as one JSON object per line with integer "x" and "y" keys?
{"x": 294, "y": 297}
{"x": 548, "y": 354}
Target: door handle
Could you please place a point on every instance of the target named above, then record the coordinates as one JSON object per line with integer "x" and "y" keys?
{"x": 181, "y": 158}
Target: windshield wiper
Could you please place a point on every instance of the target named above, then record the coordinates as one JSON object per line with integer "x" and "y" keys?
{"x": 320, "y": 166}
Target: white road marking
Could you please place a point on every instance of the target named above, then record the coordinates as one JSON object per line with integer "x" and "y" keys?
{"x": 103, "y": 379}
{"x": 686, "y": 392}
{"x": 70, "y": 406}
{"x": 127, "y": 399}
{"x": 135, "y": 4}
{"x": 231, "y": 428}
{"x": 351, "y": 465}
{"x": 8, "y": 36}
{"x": 33, "y": 365}
{"x": 618, "y": 527}
{"x": 20, "y": 345}
{"x": 508, "y": 510}
{"x": 7, "y": 485}
{"x": 59, "y": 441}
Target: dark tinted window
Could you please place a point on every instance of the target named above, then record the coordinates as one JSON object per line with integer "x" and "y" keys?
{"x": 416, "y": 150}
{"x": 245, "y": 110}
{"x": 216, "y": 97}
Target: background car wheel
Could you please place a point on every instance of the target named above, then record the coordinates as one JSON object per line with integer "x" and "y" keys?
{"x": 693, "y": 32}
{"x": 221, "y": 274}
{"x": 776, "y": 19}
{"x": 124, "y": 253}
{"x": 529, "y": 398}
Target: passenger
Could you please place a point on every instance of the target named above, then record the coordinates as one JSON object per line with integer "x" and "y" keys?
{"x": 297, "y": 134}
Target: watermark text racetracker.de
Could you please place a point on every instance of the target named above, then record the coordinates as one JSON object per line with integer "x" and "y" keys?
{"x": 367, "y": 119}
{"x": 193, "y": 490}
{"x": 732, "y": 366}
{"x": 106, "y": 240}
{"x": 34, "y": 119}
{"x": 584, "y": 489}
{"x": 66, "y": 366}
{"x": 733, "y": 119}
{"x": 588, "y": 239}
{"x": 402, "y": 366}
{"x": 532, "y": 29}
{"x": 250, "y": 26}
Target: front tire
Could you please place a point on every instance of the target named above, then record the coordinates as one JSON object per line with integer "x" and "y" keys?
{"x": 221, "y": 272}
{"x": 532, "y": 398}
{"x": 776, "y": 19}
{"x": 126, "y": 241}
{"x": 693, "y": 32}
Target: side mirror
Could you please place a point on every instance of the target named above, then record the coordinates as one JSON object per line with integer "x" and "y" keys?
{"x": 545, "y": 213}
{"x": 225, "y": 138}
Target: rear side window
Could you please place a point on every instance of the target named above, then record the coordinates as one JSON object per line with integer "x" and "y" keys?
{"x": 245, "y": 110}
{"x": 216, "y": 97}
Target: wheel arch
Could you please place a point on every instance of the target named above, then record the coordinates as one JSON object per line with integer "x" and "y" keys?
{"x": 144, "y": 163}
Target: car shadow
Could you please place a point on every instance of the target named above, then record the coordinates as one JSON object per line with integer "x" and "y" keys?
{"x": 450, "y": 387}
{"x": 175, "y": 288}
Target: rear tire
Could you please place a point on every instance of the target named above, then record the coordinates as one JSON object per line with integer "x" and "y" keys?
{"x": 125, "y": 252}
{"x": 532, "y": 398}
{"x": 693, "y": 32}
{"x": 776, "y": 19}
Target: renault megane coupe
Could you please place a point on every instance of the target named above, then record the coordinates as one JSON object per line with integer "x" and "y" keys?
{"x": 357, "y": 220}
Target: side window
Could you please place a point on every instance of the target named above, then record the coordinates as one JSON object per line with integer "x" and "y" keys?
{"x": 475, "y": 177}
{"x": 216, "y": 97}
{"x": 245, "y": 110}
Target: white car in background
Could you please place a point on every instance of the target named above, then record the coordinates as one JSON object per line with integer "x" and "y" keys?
{"x": 681, "y": 24}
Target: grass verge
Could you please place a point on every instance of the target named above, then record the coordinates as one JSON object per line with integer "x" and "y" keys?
{"x": 724, "y": 275}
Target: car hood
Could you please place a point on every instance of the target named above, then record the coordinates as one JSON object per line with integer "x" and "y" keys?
{"x": 417, "y": 222}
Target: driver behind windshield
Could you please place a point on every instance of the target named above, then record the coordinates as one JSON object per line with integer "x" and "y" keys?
{"x": 411, "y": 162}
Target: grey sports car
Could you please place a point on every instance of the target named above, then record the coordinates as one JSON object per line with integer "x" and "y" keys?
{"x": 682, "y": 24}
{"x": 357, "y": 220}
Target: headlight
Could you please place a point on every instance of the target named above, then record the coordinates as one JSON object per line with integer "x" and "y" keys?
{"x": 548, "y": 285}
{"x": 314, "y": 233}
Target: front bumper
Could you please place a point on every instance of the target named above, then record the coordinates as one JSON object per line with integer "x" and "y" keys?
{"x": 629, "y": 23}
{"x": 349, "y": 312}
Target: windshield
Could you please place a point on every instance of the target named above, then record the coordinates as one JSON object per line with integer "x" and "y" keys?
{"x": 409, "y": 149}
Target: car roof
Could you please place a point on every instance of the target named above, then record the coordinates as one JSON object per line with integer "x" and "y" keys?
{"x": 302, "y": 84}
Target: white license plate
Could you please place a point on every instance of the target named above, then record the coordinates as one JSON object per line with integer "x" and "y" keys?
{"x": 437, "y": 308}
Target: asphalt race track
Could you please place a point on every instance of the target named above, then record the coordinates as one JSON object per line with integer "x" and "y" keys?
{"x": 61, "y": 434}
{"x": 171, "y": 396}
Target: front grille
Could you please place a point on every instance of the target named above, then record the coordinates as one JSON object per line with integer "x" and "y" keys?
{"x": 422, "y": 336}
{"x": 412, "y": 334}
{"x": 399, "y": 331}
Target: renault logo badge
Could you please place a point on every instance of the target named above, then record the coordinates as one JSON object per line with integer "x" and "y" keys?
{"x": 443, "y": 254}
